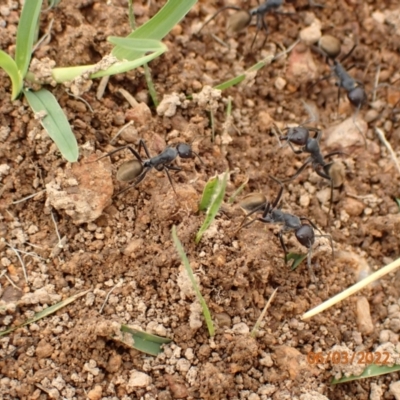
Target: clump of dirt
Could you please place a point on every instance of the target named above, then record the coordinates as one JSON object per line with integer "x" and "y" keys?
{"x": 63, "y": 233}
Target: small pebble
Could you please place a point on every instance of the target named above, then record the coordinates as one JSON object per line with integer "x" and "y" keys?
{"x": 364, "y": 320}
{"x": 311, "y": 34}
{"x": 280, "y": 83}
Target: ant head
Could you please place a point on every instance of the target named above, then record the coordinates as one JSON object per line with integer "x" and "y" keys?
{"x": 305, "y": 235}
{"x": 357, "y": 96}
{"x": 129, "y": 170}
{"x": 254, "y": 202}
{"x": 184, "y": 150}
{"x": 297, "y": 135}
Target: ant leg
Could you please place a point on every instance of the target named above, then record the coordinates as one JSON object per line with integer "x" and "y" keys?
{"x": 137, "y": 181}
{"x": 146, "y": 150}
{"x": 356, "y": 125}
{"x": 199, "y": 158}
{"x": 110, "y": 153}
{"x": 348, "y": 54}
{"x": 310, "y": 269}
{"x": 293, "y": 149}
{"x": 338, "y": 99}
{"x": 258, "y": 208}
{"x": 283, "y": 244}
{"x": 279, "y": 196}
{"x": 169, "y": 178}
{"x": 255, "y": 36}
{"x": 300, "y": 170}
{"x": 331, "y": 242}
{"x": 326, "y": 176}
{"x": 335, "y": 153}
{"x": 218, "y": 12}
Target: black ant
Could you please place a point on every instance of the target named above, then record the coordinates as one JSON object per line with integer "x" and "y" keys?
{"x": 272, "y": 214}
{"x": 354, "y": 89}
{"x": 136, "y": 170}
{"x": 300, "y": 135}
{"x": 242, "y": 18}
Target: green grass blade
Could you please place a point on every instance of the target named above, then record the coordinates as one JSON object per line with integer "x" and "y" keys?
{"x": 9, "y": 65}
{"x": 185, "y": 261}
{"x": 46, "y": 312}
{"x": 145, "y": 342}
{"x": 297, "y": 259}
{"x": 54, "y": 122}
{"x": 215, "y": 203}
{"x": 240, "y": 78}
{"x": 61, "y": 75}
{"x": 369, "y": 372}
{"x": 26, "y": 34}
{"x": 208, "y": 193}
{"x": 238, "y": 191}
{"x": 398, "y": 202}
{"x": 129, "y": 44}
{"x": 158, "y": 26}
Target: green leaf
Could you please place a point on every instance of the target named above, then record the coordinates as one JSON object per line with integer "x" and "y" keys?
{"x": 69, "y": 73}
{"x": 398, "y": 202}
{"x": 214, "y": 204}
{"x": 9, "y": 65}
{"x": 297, "y": 259}
{"x": 46, "y": 312}
{"x": 238, "y": 191}
{"x": 240, "y": 78}
{"x": 208, "y": 193}
{"x": 145, "y": 342}
{"x": 26, "y": 34}
{"x": 185, "y": 261}
{"x": 54, "y": 122}
{"x": 369, "y": 372}
{"x": 158, "y": 26}
{"x": 142, "y": 45}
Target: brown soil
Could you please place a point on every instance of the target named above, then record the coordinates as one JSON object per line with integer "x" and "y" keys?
{"x": 71, "y": 354}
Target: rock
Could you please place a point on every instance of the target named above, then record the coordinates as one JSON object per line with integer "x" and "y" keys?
{"x": 178, "y": 389}
{"x": 394, "y": 325}
{"x": 168, "y": 105}
{"x": 224, "y": 320}
{"x": 114, "y": 363}
{"x": 265, "y": 121}
{"x": 140, "y": 114}
{"x": 132, "y": 246}
{"x": 313, "y": 395}
{"x": 376, "y": 392}
{"x": 353, "y": 207}
{"x": 44, "y": 349}
{"x": 346, "y": 134}
{"x": 395, "y": 389}
{"x": 301, "y": 67}
{"x": 280, "y": 83}
{"x": 138, "y": 379}
{"x": 291, "y": 360}
{"x": 311, "y": 34}
{"x": 95, "y": 394}
{"x": 82, "y": 191}
{"x": 364, "y": 320}
{"x": 240, "y": 329}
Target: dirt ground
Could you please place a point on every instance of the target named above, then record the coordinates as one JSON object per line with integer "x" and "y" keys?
{"x": 72, "y": 235}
